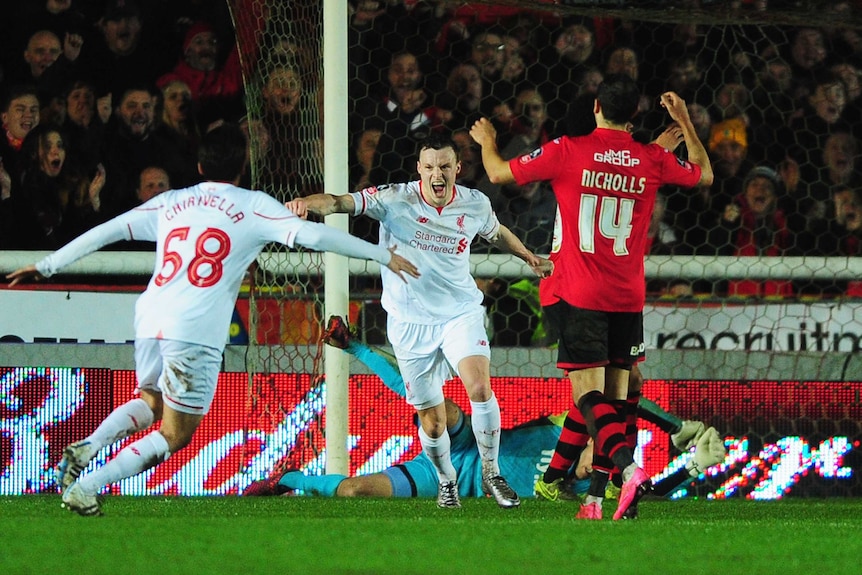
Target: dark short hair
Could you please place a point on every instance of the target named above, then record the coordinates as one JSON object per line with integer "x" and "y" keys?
{"x": 222, "y": 153}
{"x": 16, "y": 91}
{"x": 618, "y": 96}
{"x": 439, "y": 141}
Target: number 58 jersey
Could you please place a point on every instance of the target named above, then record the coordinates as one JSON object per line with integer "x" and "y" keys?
{"x": 206, "y": 237}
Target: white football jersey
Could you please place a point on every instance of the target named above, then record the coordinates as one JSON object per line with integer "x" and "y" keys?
{"x": 206, "y": 237}
{"x": 437, "y": 241}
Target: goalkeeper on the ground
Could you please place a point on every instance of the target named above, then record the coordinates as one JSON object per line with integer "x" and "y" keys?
{"x": 525, "y": 451}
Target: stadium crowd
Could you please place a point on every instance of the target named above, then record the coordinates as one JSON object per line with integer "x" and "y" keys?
{"x": 101, "y": 100}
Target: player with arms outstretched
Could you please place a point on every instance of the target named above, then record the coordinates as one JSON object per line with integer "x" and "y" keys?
{"x": 206, "y": 237}
{"x": 437, "y": 322}
{"x": 606, "y": 185}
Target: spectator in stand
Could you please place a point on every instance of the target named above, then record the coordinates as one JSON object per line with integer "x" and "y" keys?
{"x": 43, "y": 49}
{"x": 843, "y": 41}
{"x": 560, "y": 67}
{"x": 44, "y": 52}
{"x": 58, "y": 16}
{"x": 178, "y": 121}
{"x": 216, "y": 85}
{"x": 850, "y": 73}
{"x": 694, "y": 213}
{"x": 772, "y": 108}
{"x": 839, "y": 234}
{"x": 514, "y": 64}
{"x": 625, "y": 59}
{"x": 465, "y": 86}
{"x": 131, "y": 144}
{"x": 754, "y": 225}
{"x": 528, "y": 210}
{"x": 364, "y": 152}
{"x": 404, "y": 111}
{"x": 822, "y": 114}
{"x": 152, "y": 182}
{"x": 528, "y": 130}
{"x": 807, "y": 54}
{"x": 702, "y": 121}
{"x": 732, "y": 101}
{"x": 19, "y": 113}
{"x": 685, "y": 76}
{"x": 130, "y": 51}
{"x": 810, "y": 187}
{"x": 83, "y": 127}
{"x": 488, "y": 53}
{"x": 292, "y": 167}
{"x": 470, "y": 156}
{"x": 56, "y": 201}
{"x": 728, "y": 146}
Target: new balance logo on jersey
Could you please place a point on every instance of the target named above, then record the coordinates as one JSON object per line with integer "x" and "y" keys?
{"x": 482, "y": 343}
{"x": 422, "y": 220}
{"x": 614, "y": 158}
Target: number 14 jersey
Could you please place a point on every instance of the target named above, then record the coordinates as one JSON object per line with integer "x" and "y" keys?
{"x": 606, "y": 185}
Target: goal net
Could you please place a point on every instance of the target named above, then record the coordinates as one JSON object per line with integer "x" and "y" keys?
{"x": 756, "y": 279}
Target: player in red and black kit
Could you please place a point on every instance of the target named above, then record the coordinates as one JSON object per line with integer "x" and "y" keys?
{"x": 606, "y": 185}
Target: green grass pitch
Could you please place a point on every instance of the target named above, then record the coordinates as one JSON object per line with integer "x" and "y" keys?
{"x": 286, "y": 535}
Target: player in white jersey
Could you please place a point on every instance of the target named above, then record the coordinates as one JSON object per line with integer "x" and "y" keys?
{"x": 436, "y": 322}
{"x": 207, "y": 235}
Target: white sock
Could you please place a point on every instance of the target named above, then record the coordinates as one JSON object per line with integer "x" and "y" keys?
{"x": 127, "y": 419}
{"x": 486, "y": 429}
{"x": 136, "y": 457}
{"x": 439, "y": 451}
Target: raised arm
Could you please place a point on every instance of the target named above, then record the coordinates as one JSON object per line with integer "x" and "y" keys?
{"x": 498, "y": 170}
{"x": 321, "y": 205}
{"x": 508, "y": 242}
{"x": 697, "y": 153}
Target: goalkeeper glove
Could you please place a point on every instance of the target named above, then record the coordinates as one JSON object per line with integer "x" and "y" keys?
{"x": 709, "y": 451}
{"x": 687, "y": 435}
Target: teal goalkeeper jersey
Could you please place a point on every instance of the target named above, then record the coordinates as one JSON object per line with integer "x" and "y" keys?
{"x": 525, "y": 453}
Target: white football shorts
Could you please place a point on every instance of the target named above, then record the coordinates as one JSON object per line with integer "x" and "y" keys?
{"x": 428, "y": 355}
{"x": 185, "y": 374}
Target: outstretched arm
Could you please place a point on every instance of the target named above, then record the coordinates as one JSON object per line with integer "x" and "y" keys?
{"x": 322, "y": 205}
{"x": 324, "y": 238}
{"x": 509, "y": 243}
{"x": 388, "y": 374}
{"x": 90, "y": 241}
{"x": 498, "y": 170}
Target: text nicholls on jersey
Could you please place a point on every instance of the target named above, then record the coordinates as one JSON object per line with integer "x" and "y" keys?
{"x": 614, "y": 182}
